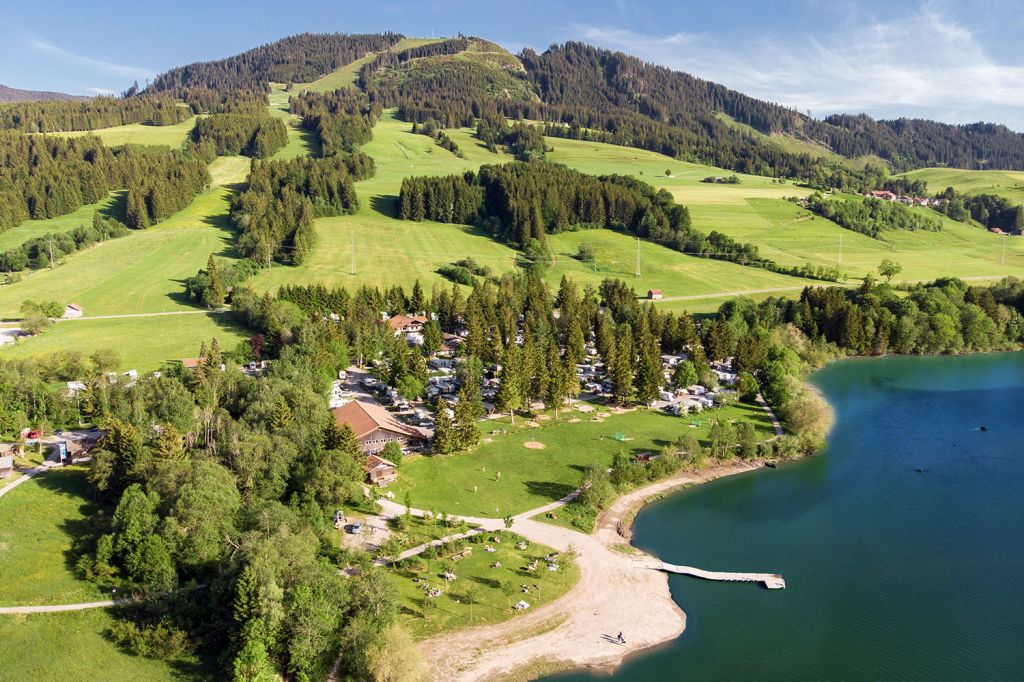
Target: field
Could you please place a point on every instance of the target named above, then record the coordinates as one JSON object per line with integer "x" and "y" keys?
{"x": 74, "y": 647}
{"x": 142, "y": 343}
{"x": 480, "y": 594}
{"x": 301, "y": 142}
{"x": 791, "y": 235}
{"x": 42, "y": 517}
{"x": 468, "y": 484}
{"x": 30, "y": 229}
{"x": 136, "y": 133}
{"x": 1009, "y": 184}
{"x": 390, "y": 251}
{"x": 140, "y": 273}
{"x": 143, "y": 273}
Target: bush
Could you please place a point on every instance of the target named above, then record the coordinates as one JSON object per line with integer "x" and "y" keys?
{"x": 162, "y": 640}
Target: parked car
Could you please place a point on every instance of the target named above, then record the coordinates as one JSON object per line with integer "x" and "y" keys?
{"x": 357, "y": 528}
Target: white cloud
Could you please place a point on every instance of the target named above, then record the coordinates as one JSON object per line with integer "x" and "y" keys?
{"x": 101, "y": 91}
{"x": 919, "y": 64}
{"x": 97, "y": 65}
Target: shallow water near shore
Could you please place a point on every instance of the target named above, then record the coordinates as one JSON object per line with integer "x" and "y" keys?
{"x": 902, "y": 546}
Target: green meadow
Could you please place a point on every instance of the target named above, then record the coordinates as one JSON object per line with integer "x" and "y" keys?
{"x": 791, "y": 235}
{"x": 301, "y": 142}
{"x": 44, "y": 516}
{"x": 142, "y": 343}
{"x": 1009, "y": 184}
{"x": 483, "y": 592}
{"x": 30, "y": 229}
{"x": 142, "y": 272}
{"x": 75, "y": 647}
{"x": 137, "y": 133}
{"x": 390, "y": 251}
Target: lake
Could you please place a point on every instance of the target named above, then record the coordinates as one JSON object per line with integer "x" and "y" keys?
{"x": 902, "y": 545}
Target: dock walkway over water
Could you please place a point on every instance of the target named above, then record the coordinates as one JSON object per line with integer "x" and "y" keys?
{"x": 772, "y": 581}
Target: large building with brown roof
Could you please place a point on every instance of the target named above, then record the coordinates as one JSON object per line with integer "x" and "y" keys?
{"x": 375, "y": 427}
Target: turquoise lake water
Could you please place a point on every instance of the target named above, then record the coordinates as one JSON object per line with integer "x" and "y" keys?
{"x": 892, "y": 573}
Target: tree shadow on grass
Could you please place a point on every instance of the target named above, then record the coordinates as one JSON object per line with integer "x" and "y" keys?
{"x": 549, "y": 489}
{"x": 486, "y": 582}
{"x": 385, "y": 204}
{"x": 72, "y": 488}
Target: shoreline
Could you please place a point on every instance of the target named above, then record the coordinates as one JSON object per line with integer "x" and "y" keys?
{"x": 589, "y": 616}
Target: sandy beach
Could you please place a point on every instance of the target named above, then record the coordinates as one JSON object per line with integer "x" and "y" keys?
{"x": 579, "y": 629}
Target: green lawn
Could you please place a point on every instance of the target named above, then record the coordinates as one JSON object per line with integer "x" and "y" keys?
{"x": 1009, "y": 184}
{"x": 143, "y": 343}
{"x": 533, "y": 478}
{"x": 136, "y": 133}
{"x": 41, "y": 518}
{"x": 480, "y": 594}
{"x": 74, "y": 647}
{"x": 30, "y": 229}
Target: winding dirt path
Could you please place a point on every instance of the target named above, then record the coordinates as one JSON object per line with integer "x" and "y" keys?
{"x": 580, "y": 629}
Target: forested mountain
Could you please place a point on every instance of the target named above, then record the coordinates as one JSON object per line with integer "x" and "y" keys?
{"x": 301, "y": 59}
{"x": 9, "y": 94}
{"x": 609, "y": 90}
{"x": 90, "y": 114}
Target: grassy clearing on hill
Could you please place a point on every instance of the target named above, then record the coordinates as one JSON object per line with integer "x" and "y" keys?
{"x": 533, "y": 478}
{"x": 301, "y": 142}
{"x": 74, "y": 647}
{"x": 1009, "y": 184}
{"x": 43, "y": 516}
{"x": 480, "y": 594}
{"x": 30, "y": 229}
{"x": 346, "y": 76}
{"x": 173, "y": 136}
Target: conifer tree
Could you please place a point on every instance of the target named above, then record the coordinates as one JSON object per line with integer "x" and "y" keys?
{"x": 445, "y": 439}
{"x": 622, "y": 363}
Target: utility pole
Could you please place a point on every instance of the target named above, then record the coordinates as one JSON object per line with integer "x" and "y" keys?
{"x": 50, "y": 242}
{"x": 840, "y": 249}
{"x": 352, "y": 268}
{"x": 637, "y": 257}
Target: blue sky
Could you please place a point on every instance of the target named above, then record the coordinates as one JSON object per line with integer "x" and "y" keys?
{"x": 955, "y": 62}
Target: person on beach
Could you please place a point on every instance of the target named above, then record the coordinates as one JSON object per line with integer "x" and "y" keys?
{"x": 622, "y": 640}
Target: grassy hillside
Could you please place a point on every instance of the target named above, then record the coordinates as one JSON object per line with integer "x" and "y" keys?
{"x": 346, "y": 76}
{"x": 83, "y": 216}
{"x": 791, "y": 235}
{"x": 301, "y": 142}
{"x": 140, "y": 273}
{"x": 390, "y": 251}
{"x": 136, "y": 133}
{"x": 1009, "y": 184}
{"x": 488, "y": 69}
{"x": 142, "y": 343}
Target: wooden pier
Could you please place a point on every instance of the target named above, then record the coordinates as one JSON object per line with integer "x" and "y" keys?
{"x": 773, "y": 581}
